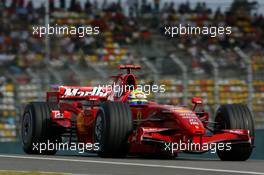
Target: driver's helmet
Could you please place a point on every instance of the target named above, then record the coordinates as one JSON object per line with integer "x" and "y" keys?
{"x": 137, "y": 97}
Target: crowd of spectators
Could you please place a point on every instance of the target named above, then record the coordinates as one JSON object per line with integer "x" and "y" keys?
{"x": 118, "y": 28}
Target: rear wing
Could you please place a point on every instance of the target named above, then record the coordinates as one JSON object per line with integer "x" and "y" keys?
{"x": 129, "y": 67}
{"x": 78, "y": 93}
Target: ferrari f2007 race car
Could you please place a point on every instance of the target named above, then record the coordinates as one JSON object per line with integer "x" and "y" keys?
{"x": 125, "y": 123}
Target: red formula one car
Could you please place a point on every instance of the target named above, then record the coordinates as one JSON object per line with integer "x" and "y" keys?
{"x": 116, "y": 124}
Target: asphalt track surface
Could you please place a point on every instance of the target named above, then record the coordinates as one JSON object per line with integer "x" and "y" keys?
{"x": 92, "y": 165}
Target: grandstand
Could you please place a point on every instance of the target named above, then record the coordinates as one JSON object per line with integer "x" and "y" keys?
{"x": 216, "y": 69}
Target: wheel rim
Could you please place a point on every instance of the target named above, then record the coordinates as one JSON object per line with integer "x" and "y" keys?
{"x": 98, "y": 128}
{"x": 26, "y": 128}
{"x": 221, "y": 123}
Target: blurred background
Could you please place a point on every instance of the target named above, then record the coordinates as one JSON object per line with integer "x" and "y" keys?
{"x": 224, "y": 69}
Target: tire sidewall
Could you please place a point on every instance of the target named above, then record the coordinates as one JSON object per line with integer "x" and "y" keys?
{"x": 100, "y": 112}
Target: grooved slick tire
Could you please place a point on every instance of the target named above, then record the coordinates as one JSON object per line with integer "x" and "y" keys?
{"x": 235, "y": 116}
{"x": 112, "y": 127}
{"x": 36, "y": 129}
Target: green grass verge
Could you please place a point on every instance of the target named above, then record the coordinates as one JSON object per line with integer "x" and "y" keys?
{"x": 3, "y": 172}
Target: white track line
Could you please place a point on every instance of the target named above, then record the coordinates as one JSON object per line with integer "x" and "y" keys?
{"x": 133, "y": 164}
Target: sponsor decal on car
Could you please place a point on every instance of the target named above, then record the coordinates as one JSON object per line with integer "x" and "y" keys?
{"x": 77, "y": 92}
{"x": 139, "y": 115}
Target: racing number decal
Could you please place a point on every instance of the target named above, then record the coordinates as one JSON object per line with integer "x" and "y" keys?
{"x": 139, "y": 115}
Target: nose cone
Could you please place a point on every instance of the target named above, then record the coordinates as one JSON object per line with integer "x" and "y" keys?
{"x": 187, "y": 120}
{"x": 196, "y": 129}
{"x": 191, "y": 123}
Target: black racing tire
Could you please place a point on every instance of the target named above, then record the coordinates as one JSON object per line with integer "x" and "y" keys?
{"x": 36, "y": 128}
{"x": 112, "y": 127}
{"x": 235, "y": 116}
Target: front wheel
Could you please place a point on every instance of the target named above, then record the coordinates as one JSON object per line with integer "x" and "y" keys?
{"x": 235, "y": 116}
{"x": 112, "y": 127}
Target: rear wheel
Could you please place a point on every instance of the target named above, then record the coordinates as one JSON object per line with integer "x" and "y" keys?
{"x": 113, "y": 125}
{"x": 36, "y": 129}
{"x": 235, "y": 116}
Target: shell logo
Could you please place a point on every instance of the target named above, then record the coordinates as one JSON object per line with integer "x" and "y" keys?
{"x": 139, "y": 115}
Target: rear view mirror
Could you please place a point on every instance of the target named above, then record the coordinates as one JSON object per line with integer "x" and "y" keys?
{"x": 197, "y": 100}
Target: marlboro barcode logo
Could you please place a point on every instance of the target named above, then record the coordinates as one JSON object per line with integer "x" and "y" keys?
{"x": 96, "y": 91}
